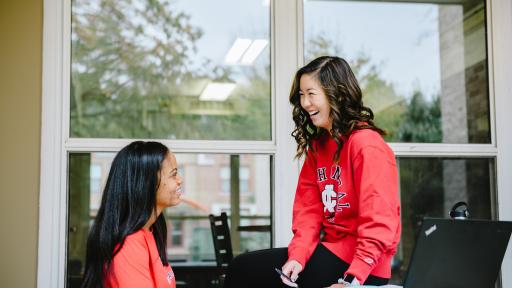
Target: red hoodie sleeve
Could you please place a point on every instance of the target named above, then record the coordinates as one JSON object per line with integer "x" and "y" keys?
{"x": 376, "y": 181}
{"x": 307, "y": 213}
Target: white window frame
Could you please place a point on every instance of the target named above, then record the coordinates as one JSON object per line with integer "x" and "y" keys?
{"x": 56, "y": 143}
{"x": 286, "y": 56}
{"x": 500, "y": 23}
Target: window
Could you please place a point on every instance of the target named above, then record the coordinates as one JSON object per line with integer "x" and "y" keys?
{"x": 167, "y": 70}
{"x": 225, "y": 176}
{"x": 431, "y": 186}
{"x": 422, "y": 67}
{"x": 189, "y": 234}
{"x": 100, "y": 100}
{"x": 96, "y": 178}
{"x": 176, "y": 237}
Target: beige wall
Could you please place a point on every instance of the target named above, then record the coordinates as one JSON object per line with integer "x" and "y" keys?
{"x": 20, "y": 121}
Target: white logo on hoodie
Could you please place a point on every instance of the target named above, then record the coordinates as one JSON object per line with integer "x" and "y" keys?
{"x": 329, "y": 198}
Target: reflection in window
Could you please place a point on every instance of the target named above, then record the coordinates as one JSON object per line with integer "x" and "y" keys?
{"x": 176, "y": 233}
{"x": 422, "y": 67}
{"x": 170, "y": 69}
{"x": 189, "y": 234}
{"x": 225, "y": 176}
{"x": 431, "y": 186}
{"x": 95, "y": 186}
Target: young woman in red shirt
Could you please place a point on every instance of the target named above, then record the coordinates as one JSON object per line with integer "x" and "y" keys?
{"x": 127, "y": 242}
{"x": 346, "y": 212}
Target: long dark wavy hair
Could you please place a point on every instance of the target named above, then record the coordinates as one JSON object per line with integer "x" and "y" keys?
{"x": 345, "y": 99}
{"x": 128, "y": 203}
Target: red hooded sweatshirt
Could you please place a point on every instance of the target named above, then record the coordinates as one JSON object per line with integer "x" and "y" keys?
{"x": 355, "y": 202}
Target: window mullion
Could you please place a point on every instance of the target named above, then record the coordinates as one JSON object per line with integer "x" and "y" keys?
{"x": 179, "y": 146}
{"x": 444, "y": 150}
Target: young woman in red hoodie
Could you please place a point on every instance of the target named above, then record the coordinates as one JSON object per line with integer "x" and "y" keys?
{"x": 346, "y": 212}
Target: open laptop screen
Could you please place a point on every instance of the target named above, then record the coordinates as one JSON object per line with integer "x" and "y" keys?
{"x": 458, "y": 253}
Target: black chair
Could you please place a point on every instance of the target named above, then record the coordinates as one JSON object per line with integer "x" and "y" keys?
{"x": 75, "y": 274}
{"x": 221, "y": 243}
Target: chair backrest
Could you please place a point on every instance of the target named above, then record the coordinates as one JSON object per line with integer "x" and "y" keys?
{"x": 221, "y": 239}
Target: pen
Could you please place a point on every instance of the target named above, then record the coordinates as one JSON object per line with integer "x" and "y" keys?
{"x": 285, "y": 276}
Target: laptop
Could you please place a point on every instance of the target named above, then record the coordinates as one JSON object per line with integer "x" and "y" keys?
{"x": 458, "y": 253}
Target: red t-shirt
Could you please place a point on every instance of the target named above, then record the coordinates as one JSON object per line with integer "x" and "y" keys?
{"x": 138, "y": 264}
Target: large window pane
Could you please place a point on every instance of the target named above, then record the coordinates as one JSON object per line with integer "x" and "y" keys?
{"x": 189, "y": 242}
{"x": 422, "y": 67}
{"x": 162, "y": 69}
{"x": 431, "y": 186}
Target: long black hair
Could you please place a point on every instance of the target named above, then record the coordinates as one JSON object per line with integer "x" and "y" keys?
{"x": 128, "y": 203}
{"x": 345, "y": 99}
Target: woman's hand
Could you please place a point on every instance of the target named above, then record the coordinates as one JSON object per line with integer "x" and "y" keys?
{"x": 292, "y": 268}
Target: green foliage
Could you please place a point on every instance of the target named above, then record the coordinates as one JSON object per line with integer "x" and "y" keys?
{"x": 133, "y": 76}
{"x": 321, "y": 45}
{"x": 421, "y": 121}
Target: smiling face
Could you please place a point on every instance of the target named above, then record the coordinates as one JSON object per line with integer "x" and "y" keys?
{"x": 169, "y": 189}
{"x": 314, "y": 101}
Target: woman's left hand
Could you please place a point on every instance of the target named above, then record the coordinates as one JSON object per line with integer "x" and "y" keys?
{"x": 337, "y": 285}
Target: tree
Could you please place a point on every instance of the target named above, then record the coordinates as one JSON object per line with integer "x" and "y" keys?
{"x": 422, "y": 121}
{"x": 134, "y": 66}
